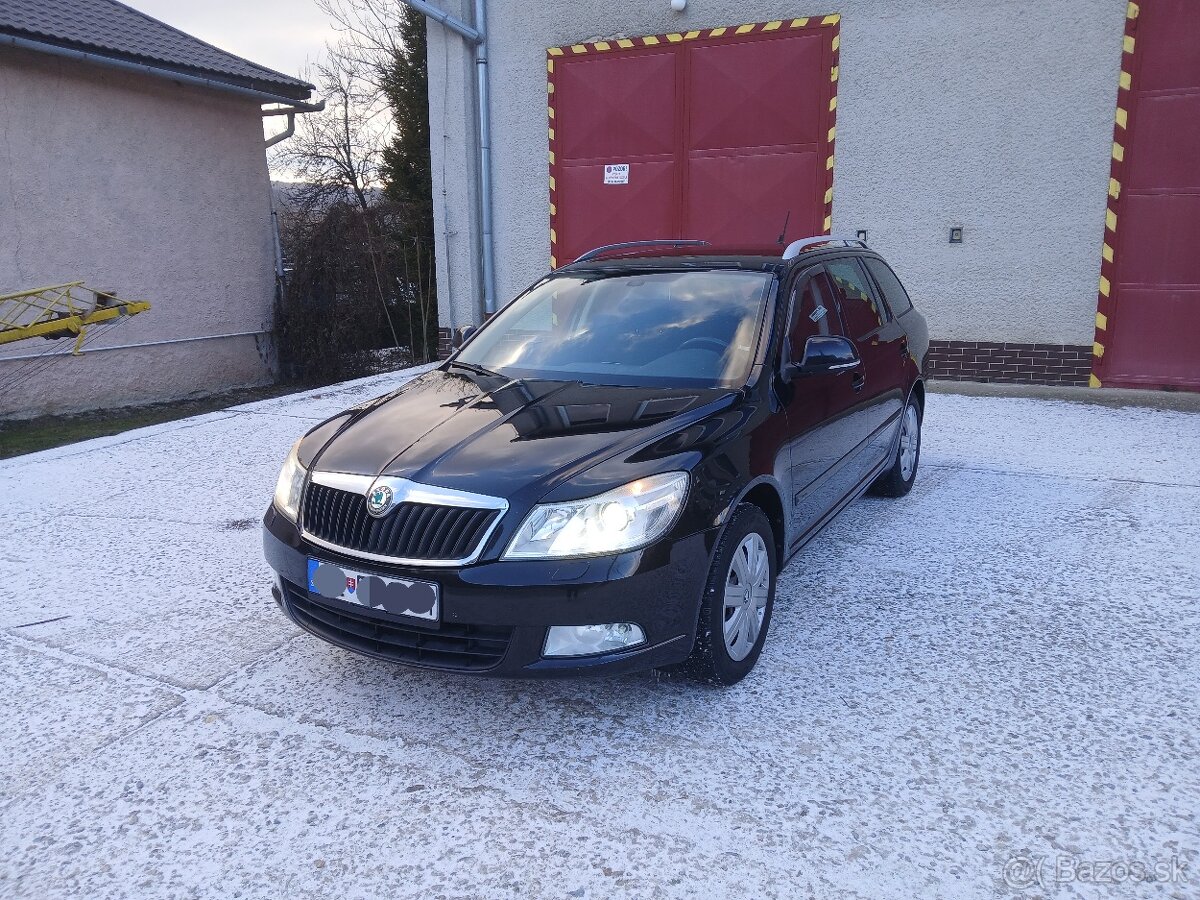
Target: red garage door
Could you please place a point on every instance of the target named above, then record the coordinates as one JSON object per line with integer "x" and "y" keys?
{"x": 1148, "y": 329}
{"x": 716, "y": 134}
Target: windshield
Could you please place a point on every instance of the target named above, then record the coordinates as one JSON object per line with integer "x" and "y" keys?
{"x": 654, "y": 328}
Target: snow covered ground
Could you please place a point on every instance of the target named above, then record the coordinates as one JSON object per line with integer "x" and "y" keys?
{"x": 1004, "y": 665}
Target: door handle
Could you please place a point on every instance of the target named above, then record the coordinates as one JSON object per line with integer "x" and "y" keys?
{"x": 858, "y": 382}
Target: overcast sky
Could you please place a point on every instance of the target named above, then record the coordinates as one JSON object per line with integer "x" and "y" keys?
{"x": 284, "y": 35}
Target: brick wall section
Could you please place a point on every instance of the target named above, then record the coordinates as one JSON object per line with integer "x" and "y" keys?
{"x": 444, "y": 343}
{"x": 446, "y": 339}
{"x": 1064, "y": 364}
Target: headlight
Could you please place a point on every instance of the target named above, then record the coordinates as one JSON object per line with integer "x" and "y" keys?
{"x": 631, "y": 516}
{"x": 290, "y": 484}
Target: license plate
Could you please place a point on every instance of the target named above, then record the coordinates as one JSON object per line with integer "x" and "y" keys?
{"x": 400, "y": 596}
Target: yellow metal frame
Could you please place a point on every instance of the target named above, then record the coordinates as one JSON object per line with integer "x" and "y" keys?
{"x": 55, "y": 312}
{"x": 1104, "y": 303}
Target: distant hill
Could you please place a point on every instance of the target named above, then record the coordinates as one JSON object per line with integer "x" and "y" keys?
{"x": 289, "y": 193}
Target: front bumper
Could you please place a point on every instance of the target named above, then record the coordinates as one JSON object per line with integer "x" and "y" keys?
{"x": 494, "y": 615}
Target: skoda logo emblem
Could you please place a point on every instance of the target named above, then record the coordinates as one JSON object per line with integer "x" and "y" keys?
{"x": 379, "y": 501}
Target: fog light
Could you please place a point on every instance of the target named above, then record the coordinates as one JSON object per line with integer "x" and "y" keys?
{"x": 588, "y": 640}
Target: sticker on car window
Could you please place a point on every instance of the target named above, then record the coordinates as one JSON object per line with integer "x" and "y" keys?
{"x": 817, "y": 314}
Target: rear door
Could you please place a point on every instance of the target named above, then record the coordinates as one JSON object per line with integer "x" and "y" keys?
{"x": 883, "y": 348}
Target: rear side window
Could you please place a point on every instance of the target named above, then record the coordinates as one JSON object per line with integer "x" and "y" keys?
{"x": 893, "y": 291}
{"x": 860, "y": 311}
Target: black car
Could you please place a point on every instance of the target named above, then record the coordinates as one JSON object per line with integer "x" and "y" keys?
{"x": 609, "y": 474}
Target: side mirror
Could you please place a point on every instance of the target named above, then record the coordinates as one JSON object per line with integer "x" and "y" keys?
{"x": 462, "y": 334}
{"x": 824, "y": 353}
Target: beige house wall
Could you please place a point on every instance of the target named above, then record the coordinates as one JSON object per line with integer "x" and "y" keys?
{"x": 148, "y": 188}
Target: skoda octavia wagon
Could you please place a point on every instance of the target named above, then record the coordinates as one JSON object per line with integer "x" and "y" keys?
{"x": 610, "y": 473}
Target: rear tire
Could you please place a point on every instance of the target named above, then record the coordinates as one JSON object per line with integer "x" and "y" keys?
{"x": 898, "y": 480}
{"x": 735, "y": 613}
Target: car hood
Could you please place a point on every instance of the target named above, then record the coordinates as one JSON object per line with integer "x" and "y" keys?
{"x": 502, "y": 437}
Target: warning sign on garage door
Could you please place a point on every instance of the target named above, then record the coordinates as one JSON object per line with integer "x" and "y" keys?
{"x": 616, "y": 173}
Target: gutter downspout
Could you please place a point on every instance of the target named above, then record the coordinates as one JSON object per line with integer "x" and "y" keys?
{"x": 280, "y": 274}
{"x": 286, "y": 133}
{"x": 274, "y": 139}
{"x": 483, "y": 118}
{"x": 474, "y": 35}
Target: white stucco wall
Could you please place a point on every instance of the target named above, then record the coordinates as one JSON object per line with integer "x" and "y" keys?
{"x": 454, "y": 157}
{"x": 153, "y": 190}
{"x": 996, "y": 116}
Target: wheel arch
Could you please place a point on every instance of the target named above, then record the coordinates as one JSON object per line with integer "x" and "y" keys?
{"x": 765, "y": 493}
{"x": 918, "y": 391}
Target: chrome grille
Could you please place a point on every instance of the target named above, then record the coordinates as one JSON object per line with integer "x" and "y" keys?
{"x": 413, "y": 530}
{"x": 409, "y": 531}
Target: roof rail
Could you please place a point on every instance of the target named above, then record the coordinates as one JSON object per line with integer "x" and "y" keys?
{"x": 794, "y": 248}
{"x": 625, "y": 245}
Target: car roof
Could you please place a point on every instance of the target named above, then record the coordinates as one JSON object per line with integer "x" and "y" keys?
{"x": 704, "y": 258}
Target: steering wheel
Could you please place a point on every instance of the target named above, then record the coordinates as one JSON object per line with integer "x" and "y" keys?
{"x": 718, "y": 346}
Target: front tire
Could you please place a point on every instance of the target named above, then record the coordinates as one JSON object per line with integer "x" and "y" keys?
{"x": 739, "y": 596}
{"x": 898, "y": 480}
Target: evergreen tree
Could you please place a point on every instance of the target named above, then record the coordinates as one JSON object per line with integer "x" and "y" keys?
{"x": 407, "y": 176}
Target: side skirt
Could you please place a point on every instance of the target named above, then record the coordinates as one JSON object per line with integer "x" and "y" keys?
{"x": 859, "y": 490}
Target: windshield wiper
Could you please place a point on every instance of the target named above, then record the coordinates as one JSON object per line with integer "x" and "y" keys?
{"x": 473, "y": 368}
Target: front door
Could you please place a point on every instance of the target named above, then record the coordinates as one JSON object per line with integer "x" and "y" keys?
{"x": 820, "y": 408}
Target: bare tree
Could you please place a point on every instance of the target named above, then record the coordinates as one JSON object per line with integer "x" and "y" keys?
{"x": 350, "y": 156}
{"x": 372, "y": 33}
{"x": 336, "y": 153}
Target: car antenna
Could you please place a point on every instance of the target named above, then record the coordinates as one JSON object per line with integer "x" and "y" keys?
{"x": 783, "y": 234}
